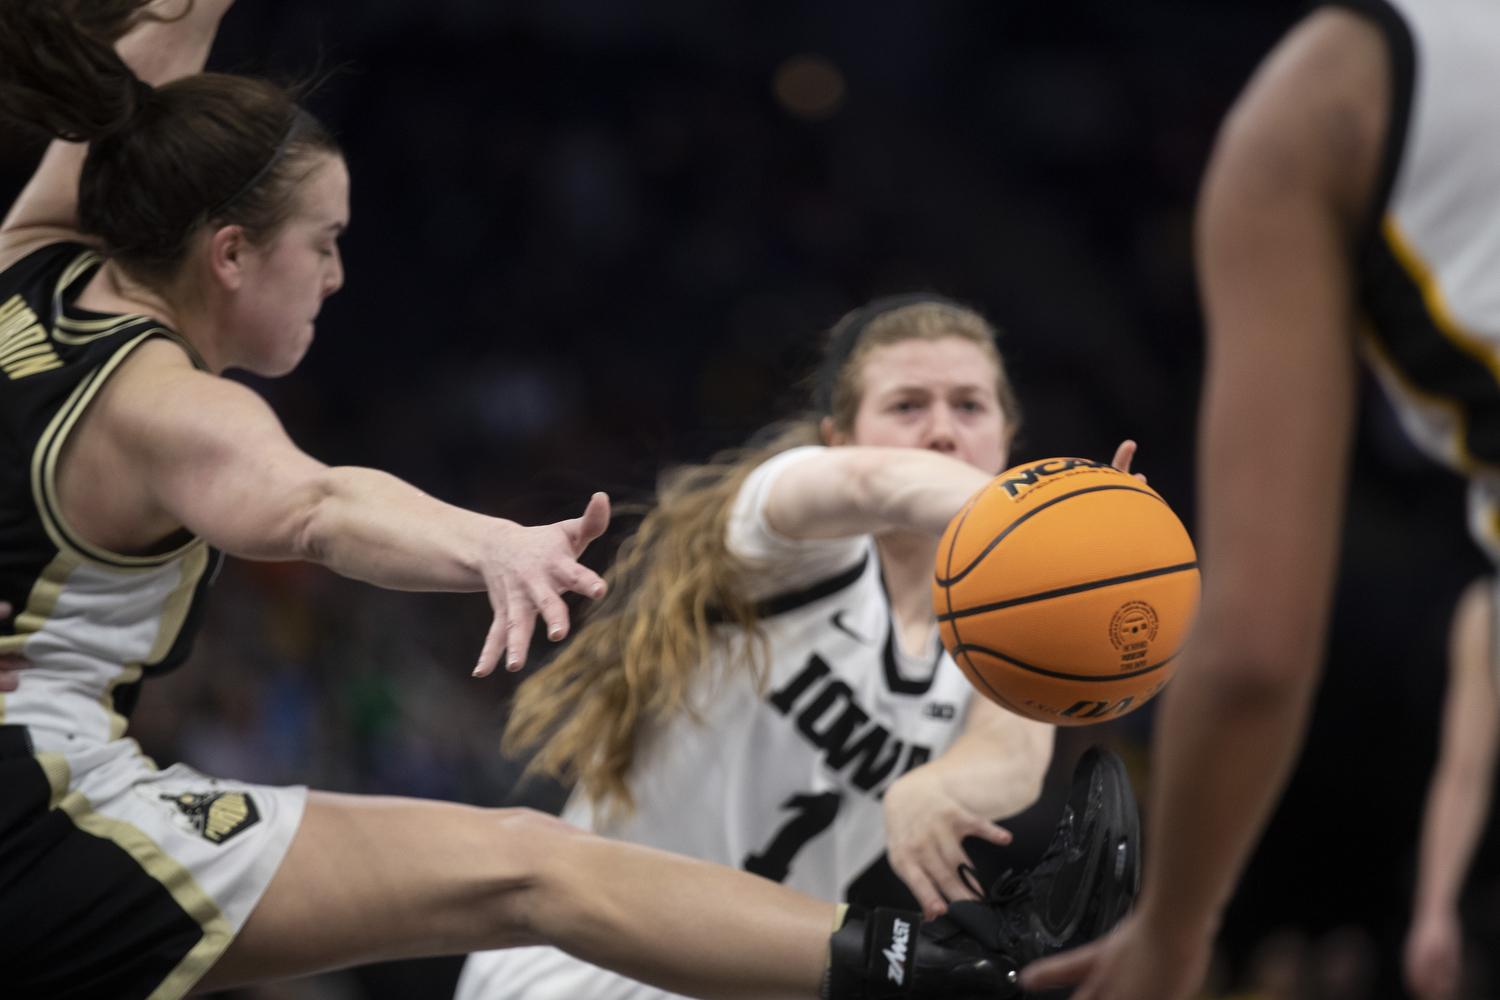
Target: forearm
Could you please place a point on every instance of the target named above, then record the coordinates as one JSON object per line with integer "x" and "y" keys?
{"x": 1224, "y": 746}
{"x": 159, "y": 51}
{"x": 1457, "y": 807}
{"x": 368, "y": 525}
{"x": 723, "y": 933}
{"x": 996, "y": 768}
{"x": 857, "y": 490}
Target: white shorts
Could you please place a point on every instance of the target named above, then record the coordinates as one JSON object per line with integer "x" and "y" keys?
{"x": 122, "y": 881}
{"x": 544, "y": 973}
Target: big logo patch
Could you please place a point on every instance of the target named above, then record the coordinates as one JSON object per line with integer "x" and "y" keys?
{"x": 217, "y": 816}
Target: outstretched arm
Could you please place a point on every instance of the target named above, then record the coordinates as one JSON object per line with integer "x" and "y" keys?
{"x": 858, "y": 490}
{"x": 1286, "y": 192}
{"x": 172, "y": 41}
{"x": 209, "y": 454}
{"x": 1458, "y": 801}
{"x": 993, "y": 771}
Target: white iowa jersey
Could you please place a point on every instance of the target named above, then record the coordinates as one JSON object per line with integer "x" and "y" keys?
{"x": 1430, "y": 276}
{"x": 785, "y": 781}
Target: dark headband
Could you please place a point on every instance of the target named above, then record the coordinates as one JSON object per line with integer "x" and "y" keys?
{"x": 847, "y": 335}
{"x": 260, "y": 175}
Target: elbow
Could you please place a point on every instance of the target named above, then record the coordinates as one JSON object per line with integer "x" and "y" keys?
{"x": 313, "y": 523}
{"x": 1252, "y": 682}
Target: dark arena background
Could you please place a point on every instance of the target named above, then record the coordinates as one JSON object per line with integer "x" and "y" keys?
{"x": 592, "y": 238}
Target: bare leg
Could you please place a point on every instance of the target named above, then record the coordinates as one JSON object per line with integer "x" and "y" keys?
{"x": 370, "y": 879}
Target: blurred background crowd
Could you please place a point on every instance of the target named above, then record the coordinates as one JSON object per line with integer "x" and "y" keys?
{"x": 592, "y": 238}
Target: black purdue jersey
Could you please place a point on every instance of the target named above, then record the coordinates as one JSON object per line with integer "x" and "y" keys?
{"x": 92, "y": 622}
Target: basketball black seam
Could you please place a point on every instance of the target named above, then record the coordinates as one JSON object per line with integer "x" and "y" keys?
{"x": 1065, "y": 591}
{"x": 1054, "y": 673}
{"x": 1026, "y": 517}
{"x": 948, "y": 590}
{"x": 998, "y": 696}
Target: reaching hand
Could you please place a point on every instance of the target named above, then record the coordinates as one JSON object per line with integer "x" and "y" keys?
{"x": 1433, "y": 957}
{"x": 10, "y": 664}
{"x": 1123, "y": 456}
{"x": 1131, "y": 963}
{"x": 925, "y": 825}
{"x": 526, "y": 570}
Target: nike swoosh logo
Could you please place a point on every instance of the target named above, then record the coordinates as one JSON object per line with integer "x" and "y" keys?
{"x": 838, "y": 624}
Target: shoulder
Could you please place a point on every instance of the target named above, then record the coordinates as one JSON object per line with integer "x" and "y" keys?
{"x": 16, "y": 247}
{"x": 157, "y": 399}
{"x": 1316, "y": 112}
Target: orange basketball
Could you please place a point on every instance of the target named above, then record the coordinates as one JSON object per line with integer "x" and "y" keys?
{"x": 1064, "y": 590}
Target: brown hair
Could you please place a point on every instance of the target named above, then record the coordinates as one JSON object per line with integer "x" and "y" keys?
{"x": 634, "y": 661}
{"x": 163, "y": 161}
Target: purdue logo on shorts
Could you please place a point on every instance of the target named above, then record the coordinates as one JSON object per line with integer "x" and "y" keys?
{"x": 217, "y": 815}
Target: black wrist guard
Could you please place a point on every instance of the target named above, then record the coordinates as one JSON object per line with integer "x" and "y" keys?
{"x": 884, "y": 954}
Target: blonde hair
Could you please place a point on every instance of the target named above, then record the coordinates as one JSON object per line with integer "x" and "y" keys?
{"x": 636, "y": 658}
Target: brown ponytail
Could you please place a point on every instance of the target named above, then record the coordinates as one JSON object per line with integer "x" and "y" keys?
{"x": 161, "y": 160}
{"x": 634, "y": 661}
{"x": 59, "y": 70}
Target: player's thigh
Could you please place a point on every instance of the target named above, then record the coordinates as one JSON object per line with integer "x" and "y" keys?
{"x": 371, "y": 878}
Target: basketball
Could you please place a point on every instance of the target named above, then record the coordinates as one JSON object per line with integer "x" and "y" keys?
{"x": 1064, "y": 590}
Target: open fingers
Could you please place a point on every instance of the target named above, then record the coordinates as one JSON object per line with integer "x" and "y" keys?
{"x": 591, "y": 525}
{"x": 1124, "y": 455}
{"x": 494, "y": 645}
{"x": 942, "y": 868}
{"x": 992, "y": 832}
{"x": 576, "y": 579}
{"x": 552, "y": 609}
{"x": 928, "y": 897}
{"x": 520, "y": 622}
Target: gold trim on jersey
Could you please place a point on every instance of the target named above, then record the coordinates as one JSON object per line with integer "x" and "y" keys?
{"x": 174, "y": 612}
{"x": 1433, "y": 298}
{"x": 40, "y": 604}
{"x": 1394, "y": 379}
{"x": 44, "y": 472}
{"x": 59, "y": 776}
{"x": 86, "y": 330}
{"x": 1435, "y": 304}
{"x": 179, "y": 883}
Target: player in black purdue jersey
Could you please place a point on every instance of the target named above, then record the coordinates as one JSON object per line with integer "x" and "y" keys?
{"x": 197, "y": 231}
{"x": 766, "y": 688}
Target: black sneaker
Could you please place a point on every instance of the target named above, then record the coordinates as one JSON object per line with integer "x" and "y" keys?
{"x": 1080, "y": 889}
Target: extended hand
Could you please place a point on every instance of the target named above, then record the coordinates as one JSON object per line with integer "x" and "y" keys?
{"x": 526, "y": 571}
{"x": 1433, "y": 958}
{"x": 925, "y": 826}
{"x": 1123, "y": 456}
{"x": 10, "y": 664}
{"x": 1129, "y": 964}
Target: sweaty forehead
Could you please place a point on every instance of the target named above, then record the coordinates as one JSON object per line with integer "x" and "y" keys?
{"x": 944, "y": 364}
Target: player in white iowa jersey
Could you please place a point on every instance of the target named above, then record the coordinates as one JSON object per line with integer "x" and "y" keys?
{"x": 1353, "y": 200}
{"x": 822, "y": 721}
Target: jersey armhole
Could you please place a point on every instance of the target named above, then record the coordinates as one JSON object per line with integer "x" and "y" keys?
{"x": 49, "y": 448}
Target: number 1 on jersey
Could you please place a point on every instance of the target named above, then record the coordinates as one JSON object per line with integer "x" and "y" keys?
{"x": 814, "y": 814}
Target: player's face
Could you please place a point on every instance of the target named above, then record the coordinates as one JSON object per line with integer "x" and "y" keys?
{"x": 937, "y": 394}
{"x": 285, "y": 282}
